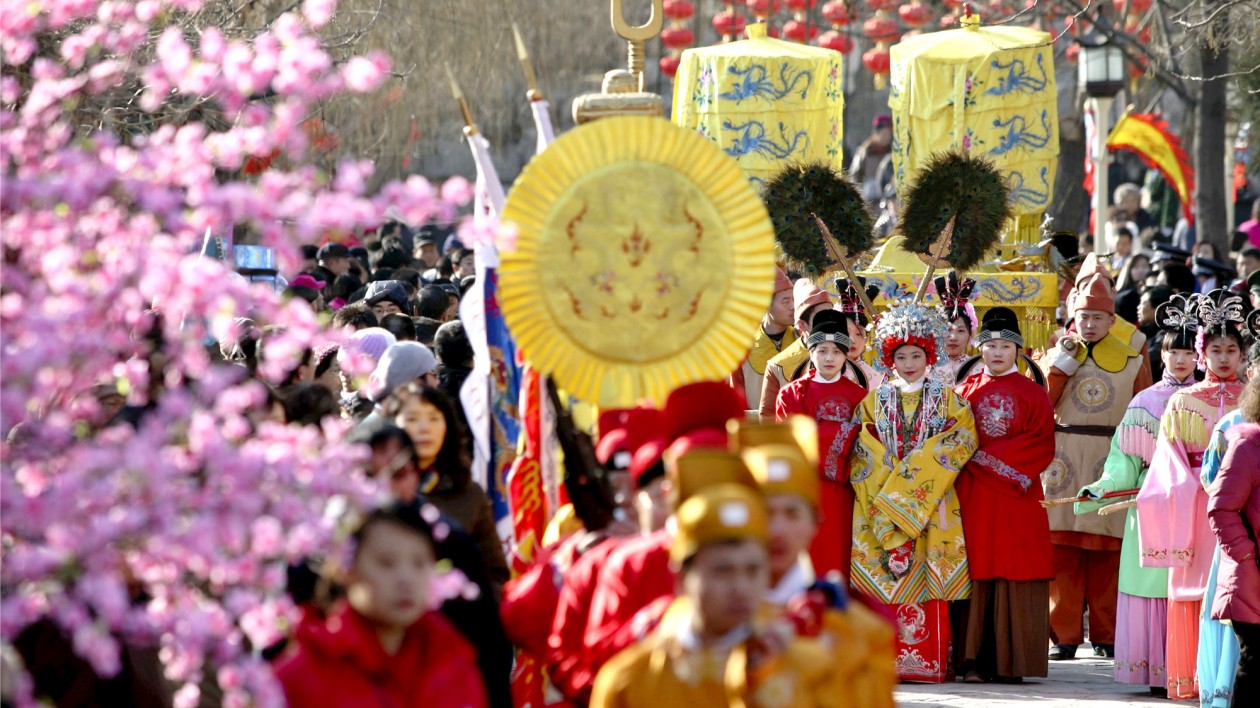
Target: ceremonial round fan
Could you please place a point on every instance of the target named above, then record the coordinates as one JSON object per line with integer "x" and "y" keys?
{"x": 643, "y": 261}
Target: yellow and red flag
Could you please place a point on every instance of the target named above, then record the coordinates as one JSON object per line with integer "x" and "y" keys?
{"x": 1147, "y": 136}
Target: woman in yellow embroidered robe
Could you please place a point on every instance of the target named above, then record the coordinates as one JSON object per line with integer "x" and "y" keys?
{"x": 908, "y": 546}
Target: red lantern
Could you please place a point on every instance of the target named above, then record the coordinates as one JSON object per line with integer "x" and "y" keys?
{"x": 881, "y": 29}
{"x": 678, "y": 37}
{"x": 836, "y": 13}
{"x": 916, "y": 14}
{"x": 949, "y": 21}
{"x": 798, "y": 31}
{"x": 763, "y": 8}
{"x": 836, "y": 41}
{"x": 954, "y": 4}
{"x": 669, "y": 65}
{"x": 876, "y": 60}
{"x": 679, "y": 9}
{"x": 800, "y": 5}
{"x": 728, "y": 23}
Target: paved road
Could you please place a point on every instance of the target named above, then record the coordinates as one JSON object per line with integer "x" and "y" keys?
{"x": 1086, "y": 681}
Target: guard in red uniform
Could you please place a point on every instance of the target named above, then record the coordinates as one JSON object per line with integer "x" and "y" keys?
{"x": 1007, "y": 531}
{"x": 572, "y": 669}
{"x": 830, "y": 399}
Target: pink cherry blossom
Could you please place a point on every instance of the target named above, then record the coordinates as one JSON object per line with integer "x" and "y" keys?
{"x": 198, "y": 506}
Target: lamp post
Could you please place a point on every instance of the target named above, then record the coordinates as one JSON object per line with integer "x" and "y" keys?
{"x": 1102, "y": 77}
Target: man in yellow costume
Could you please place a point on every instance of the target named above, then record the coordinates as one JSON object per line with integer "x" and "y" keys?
{"x": 773, "y": 335}
{"x": 714, "y": 647}
{"x": 790, "y": 484}
{"x": 916, "y": 435}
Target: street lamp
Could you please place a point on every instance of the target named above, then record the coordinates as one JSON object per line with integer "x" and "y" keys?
{"x": 1101, "y": 77}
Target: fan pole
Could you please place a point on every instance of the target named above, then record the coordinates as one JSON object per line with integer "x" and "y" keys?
{"x": 938, "y": 248}
{"x": 838, "y": 254}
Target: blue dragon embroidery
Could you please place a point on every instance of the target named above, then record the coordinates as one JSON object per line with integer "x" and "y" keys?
{"x": 755, "y": 82}
{"x": 1027, "y": 197}
{"x": 1019, "y": 136}
{"x": 752, "y": 140}
{"x": 1020, "y": 288}
{"x": 1018, "y": 79}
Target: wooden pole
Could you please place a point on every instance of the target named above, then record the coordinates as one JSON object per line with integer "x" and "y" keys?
{"x": 838, "y": 254}
{"x": 942, "y": 243}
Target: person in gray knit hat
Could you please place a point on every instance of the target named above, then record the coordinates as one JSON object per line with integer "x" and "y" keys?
{"x": 402, "y": 363}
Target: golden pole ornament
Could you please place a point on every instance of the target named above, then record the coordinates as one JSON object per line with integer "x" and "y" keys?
{"x": 470, "y": 126}
{"x": 527, "y": 64}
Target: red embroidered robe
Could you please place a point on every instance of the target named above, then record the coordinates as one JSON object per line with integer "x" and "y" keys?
{"x": 999, "y": 490}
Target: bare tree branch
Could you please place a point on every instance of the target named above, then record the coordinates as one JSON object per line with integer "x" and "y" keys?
{"x": 1223, "y": 7}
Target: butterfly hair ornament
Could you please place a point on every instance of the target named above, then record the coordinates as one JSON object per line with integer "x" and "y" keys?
{"x": 1220, "y": 313}
{"x": 956, "y": 294}
{"x": 1177, "y": 319}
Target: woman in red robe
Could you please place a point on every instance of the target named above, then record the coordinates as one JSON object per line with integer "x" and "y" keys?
{"x": 1007, "y": 530}
{"x": 830, "y": 399}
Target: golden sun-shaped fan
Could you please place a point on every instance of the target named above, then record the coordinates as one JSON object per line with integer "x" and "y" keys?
{"x": 643, "y": 261}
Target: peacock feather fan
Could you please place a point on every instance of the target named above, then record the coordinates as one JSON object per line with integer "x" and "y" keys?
{"x": 795, "y": 195}
{"x": 968, "y": 190}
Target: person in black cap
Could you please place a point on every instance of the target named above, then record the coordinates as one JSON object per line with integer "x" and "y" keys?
{"x": 335, "y": 257}
{"x": 1009, "y": 554}
{"x": 426, "y": 251}
{"x": 1211, "y": 274}
{"x": 387, "y": 297}
{"x": 1168, "y": 252}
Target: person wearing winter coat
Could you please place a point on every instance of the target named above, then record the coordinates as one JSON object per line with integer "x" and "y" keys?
{"x": 382, "y": 644}
{"x": 1234, "y": 515}
{"x": 430, "y": 419}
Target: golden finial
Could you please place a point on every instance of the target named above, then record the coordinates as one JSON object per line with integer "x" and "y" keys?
{"x": 527, "y": 64}
{"x": 470, "y": 126}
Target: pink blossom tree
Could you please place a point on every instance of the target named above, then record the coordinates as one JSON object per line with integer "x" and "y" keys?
{"x": 174, "y": 531}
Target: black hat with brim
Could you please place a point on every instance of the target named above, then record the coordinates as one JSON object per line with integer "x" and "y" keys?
{"x": 1000, "y": 323}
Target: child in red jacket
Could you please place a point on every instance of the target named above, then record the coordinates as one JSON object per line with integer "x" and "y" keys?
{"x": 382, "y": 645}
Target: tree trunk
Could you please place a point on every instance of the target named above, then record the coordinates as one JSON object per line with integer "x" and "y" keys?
{"x": 1212, "y": 198}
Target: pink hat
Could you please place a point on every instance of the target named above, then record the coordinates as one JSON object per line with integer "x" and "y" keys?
{"x": 805, "y": 295}
{"x": 372, "y": 341}
{"x": 781, "y": 281}
{"x": 306, "y": 280}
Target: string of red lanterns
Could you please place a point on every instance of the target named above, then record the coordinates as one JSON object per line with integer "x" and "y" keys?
{"x": 888, "y": 22}
{"x": 678, "y": 35}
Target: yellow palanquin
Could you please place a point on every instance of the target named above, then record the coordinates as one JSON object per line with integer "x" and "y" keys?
{"x": 905, "y": 497}
{"x": 766, "y": 102}
{"x": 988, "y": 90}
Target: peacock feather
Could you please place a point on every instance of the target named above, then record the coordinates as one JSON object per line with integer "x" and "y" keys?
{"x": 799, "y": 192}
{"x": 963, "y": 190}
